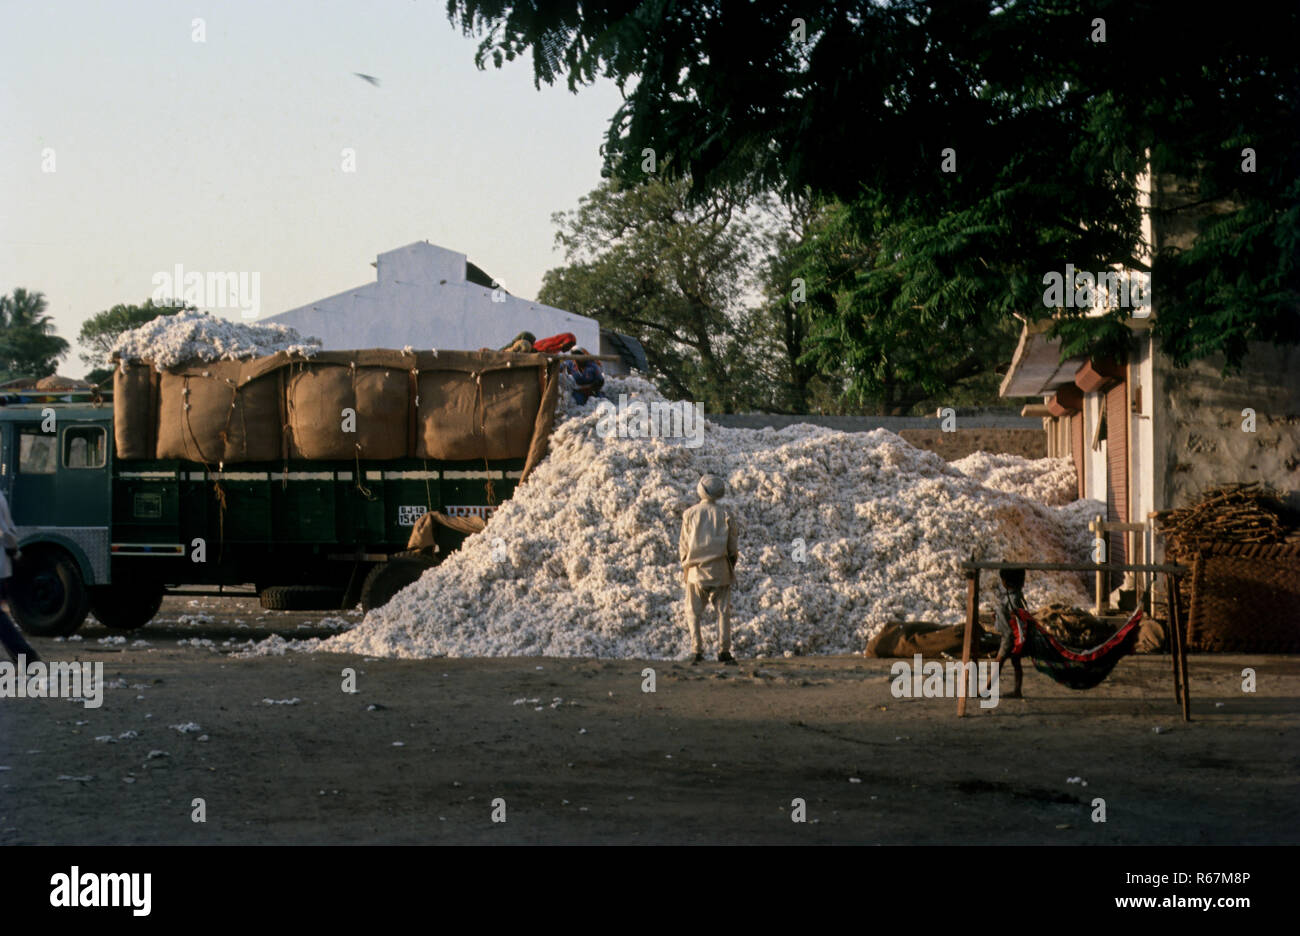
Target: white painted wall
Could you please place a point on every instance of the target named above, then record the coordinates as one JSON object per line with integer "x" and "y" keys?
{"x": 421, "y": 298}
{"x": 1142, "y": 482}
{"x": 1094, "y": 464}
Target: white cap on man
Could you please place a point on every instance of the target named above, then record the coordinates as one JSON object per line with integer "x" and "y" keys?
{"x": 711, "y": 487}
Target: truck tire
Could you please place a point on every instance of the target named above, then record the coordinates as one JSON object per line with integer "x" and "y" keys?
{"x": 302, "y": 598}
{"x": 47, "y": 594}
{"x": 125, "y": 607}
{"x": 388, "y": 578}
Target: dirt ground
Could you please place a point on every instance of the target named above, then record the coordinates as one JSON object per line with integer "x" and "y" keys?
{"x": 579, "y": 753}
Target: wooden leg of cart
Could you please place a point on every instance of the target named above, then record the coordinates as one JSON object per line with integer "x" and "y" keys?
{"x": 1182, "y": 658}
{"x": 972, "y": 622}
{"x": 1171, "y": 600}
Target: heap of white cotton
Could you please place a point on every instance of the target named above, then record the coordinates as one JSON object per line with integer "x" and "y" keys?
{"x": 197, "y": 336}
{"x": 840, "y": 532}
{"x": 1046, "y": 480}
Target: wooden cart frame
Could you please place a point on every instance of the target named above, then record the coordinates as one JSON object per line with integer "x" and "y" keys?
{"x": 1177, "y": 640}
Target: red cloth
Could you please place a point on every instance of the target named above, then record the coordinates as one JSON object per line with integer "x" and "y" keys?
{"x": 556, "y": 344}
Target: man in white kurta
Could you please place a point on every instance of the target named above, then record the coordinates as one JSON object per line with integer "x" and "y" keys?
{"x": 708, "y": 550}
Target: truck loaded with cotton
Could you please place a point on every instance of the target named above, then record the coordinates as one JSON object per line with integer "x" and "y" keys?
{"x": 234, "y": 454}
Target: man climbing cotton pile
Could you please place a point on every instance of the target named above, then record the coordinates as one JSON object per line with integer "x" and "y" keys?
{"x": 587, "y": 376}
{"x": 708, "y": 552}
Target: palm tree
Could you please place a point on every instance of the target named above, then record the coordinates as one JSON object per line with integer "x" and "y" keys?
{"x": 28, "y": 345}
{"x": 25, "y": 310}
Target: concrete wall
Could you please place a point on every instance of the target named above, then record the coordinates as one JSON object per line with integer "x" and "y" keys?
{"x": 1029, "y": 443}
{"x": 1196, "y": 416}
{"x": 421, "y": 298}
{"x": 965, "y": 419}
{"x": 976, "y": 432}
{"x": 1199, "y": 441}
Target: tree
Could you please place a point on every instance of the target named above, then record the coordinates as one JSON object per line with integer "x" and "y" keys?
{"x": 784, "y": 312}
{"x": 644, "y": 259}
{"x": 100, "y": 332}
{"x": 895, "y": 354}
{"x": 28, "y": 345}
{"x": 988, "y": 143}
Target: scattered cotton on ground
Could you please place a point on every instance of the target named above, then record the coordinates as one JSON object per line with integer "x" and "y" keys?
{"x": 197, "y": 336}
{"x": 839, "y": 533}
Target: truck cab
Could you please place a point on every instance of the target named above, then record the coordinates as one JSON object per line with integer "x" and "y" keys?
{"x": 55, "y": 472}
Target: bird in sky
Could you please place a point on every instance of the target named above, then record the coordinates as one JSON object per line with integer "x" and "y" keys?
{"x": 370, "y": 78}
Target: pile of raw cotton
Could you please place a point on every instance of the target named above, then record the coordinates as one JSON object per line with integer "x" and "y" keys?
{"x": 1046, "y": 480}
{"x": 197, "y": 336}
{"x": 840, "y": 532}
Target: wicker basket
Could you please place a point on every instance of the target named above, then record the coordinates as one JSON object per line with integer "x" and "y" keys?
{"x": 1245, "y": 598}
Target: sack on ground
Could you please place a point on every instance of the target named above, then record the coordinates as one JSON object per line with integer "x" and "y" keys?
{"x": 905, "y": 639}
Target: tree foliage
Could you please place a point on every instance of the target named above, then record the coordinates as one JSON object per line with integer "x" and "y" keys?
{"x": 680, "y": 275}
{"x": 709, "y": 287}
{"x": 870, "y": 102}
{"x": 100, "y": 332}
{"x": 28, "y": 345}
{"x": 885, "y": 321}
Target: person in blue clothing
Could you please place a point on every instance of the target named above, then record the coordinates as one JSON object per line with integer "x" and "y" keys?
{"x": 587, "y": 376}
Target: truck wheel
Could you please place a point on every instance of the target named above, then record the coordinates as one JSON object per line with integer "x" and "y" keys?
{"x": 46, "y": 593}
{"x": 302, "y": 598}
{"x": 388, "y": 578}
{"x": 125, "y": 607}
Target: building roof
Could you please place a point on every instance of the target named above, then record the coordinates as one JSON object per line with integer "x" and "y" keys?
{"x": 1036, "y": 368}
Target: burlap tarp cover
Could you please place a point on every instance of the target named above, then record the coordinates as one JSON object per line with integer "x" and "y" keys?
{"x": 213, "y": 413}
{"x": 904, "y": 639}
{"x": 488, "y": 416}
{"x": 135, "y": 411}
{"x": 423, "y": 534}
{"x": 448, "y": 406}
{"x": 376, "y": 392}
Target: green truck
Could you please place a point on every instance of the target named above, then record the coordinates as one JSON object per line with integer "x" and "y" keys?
{"x": 112, "y": 536}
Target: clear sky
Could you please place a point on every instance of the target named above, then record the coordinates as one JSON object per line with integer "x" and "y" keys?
{"x": 227, "y": 154}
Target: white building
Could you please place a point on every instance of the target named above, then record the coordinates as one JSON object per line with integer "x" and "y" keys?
{"x": 427, "y": 296}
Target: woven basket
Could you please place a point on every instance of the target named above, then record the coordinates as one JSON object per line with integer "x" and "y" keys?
{"x": 1245, "y": 598}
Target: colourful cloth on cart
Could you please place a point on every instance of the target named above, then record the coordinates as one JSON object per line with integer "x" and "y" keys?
{"x": 1077, "y": 669}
